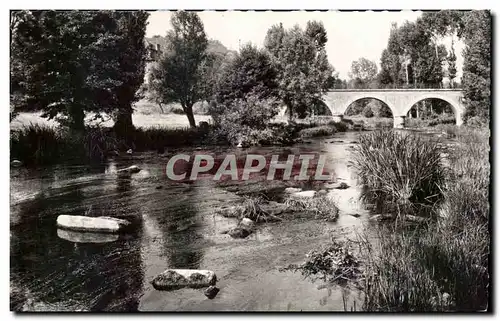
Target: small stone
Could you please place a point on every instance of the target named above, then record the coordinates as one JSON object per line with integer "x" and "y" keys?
{"x": 292, "y": 190}
{"x": 16, "y": 163}
{"x": 239, "y": 233}
{"x": 159, "y": 187}
{"x": 343, "y": 186}
{"x": 304, "y": 194}
{"x": 129, "y": 151}
{"x": 246, "y": 223}
{"x": 211, "y": 292}
{"x": 322, "y": 193}
{"x": 355, "y": 215}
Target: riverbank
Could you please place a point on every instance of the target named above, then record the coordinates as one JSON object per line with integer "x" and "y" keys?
{"x": 43, "y": 143}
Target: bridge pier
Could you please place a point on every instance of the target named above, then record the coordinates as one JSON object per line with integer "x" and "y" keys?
{"x": 399, "y": 121}
{"x": 338, "y": 118}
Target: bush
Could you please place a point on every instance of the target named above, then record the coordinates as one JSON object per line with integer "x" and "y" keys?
{"x": 367, "y": 112}
{"x": 245, "y": 120}
{"x": 405, "y": 168}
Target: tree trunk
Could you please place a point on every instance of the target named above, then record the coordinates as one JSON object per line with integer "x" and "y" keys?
{"x": 189, "y": 113}
{"x": 123, "y": 122}
{"x": 77, "y": 119}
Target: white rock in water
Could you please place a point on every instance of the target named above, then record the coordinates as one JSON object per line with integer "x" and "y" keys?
{"x": 173, "y": 279}
{"x": 16, "y": 163}
{"x": 129, "y": 151}
{"x": 129, "y": 170}
{"x": 304, "y": 194}
{"x": 290, "y": 190}
{"x": 86, "y": 237}
{"x": 92, "y": 224}
{"x": 246, "y": 223}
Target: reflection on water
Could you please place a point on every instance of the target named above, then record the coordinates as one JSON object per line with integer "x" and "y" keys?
{"x": 176, "y": 228}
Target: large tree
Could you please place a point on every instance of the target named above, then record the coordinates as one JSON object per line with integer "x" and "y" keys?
{"x": 181, "y": 71}
{"x": 303, "y": 71}
{"x": 131, "y": 56}
{"x": 67, "y": 63}
{"x": 63, "y": 66}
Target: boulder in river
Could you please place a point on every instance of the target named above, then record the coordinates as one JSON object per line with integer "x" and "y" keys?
{"x": 16, "y": 163}
{"x": 173, "y": 279}
{"x": 290, "y": 190}
{"x": 246, "y": 223}
{"x": 86, "y": 237}
{"x": 211, "y": 292}
{"x": 92, "y": 224}
{"x": 304, "y": 194}
{"x": 129, "y": 170}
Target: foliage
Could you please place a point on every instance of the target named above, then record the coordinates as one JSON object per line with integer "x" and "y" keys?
{"x": 413, "y": 57}
{"x": 66, "y": 63}
{"x": 368, "y": 112}
{"x": 245, "y": 120}
{"x": 179, "y": 75}
{"x": 303, "y": 71}
{"x": 403, "y": 167}
{"x": 477, "y": 65}
{"x": 250, "y": 72}
{"x": 363, "y": 72}
{"x": 444, "y": 266}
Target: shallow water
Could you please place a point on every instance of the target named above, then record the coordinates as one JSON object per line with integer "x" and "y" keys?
{"x": 58, "y": 270}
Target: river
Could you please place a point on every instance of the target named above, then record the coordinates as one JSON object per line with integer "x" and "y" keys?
{"x": 54, "y": 271}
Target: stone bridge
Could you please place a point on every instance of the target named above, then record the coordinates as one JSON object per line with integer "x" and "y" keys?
{"x": 400, "y": 101}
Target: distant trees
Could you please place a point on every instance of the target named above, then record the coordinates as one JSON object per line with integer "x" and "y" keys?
{"x": 67, "y": 63}
{"x": 412, "y": 58}
{"x": 474, "y": 27}
{"x": 363, "y": 73}
{"x": 179, "y": 76}
{"x": 303, "y": 71}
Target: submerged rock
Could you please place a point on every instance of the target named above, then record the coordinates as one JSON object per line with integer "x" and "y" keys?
{"x": 239, "y": 232}
{"x": 16, "y": 163}
{"x": 211, "y": 292}
{"x": 86, "y": 237}
{"x": 129, "y": 170}
{"x": 173, "y": 279}
{"x": 291, "y": 190}
{"x": 92, "y": 224}
{"x": 304, "y": 194}
{"x": 159, "y": 187}
{"x": 342, "y": 186}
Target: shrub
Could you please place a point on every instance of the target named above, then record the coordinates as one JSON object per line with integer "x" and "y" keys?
{"x": 318, "y": 131}
{"x": 367, "y": 112}
{"x": 245, "y": 120}
{"x": 403, "y": 167}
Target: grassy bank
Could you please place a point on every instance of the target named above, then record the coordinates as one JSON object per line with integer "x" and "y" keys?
{"x": 442, "y": 266}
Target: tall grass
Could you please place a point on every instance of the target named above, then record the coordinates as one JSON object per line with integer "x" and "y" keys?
{"x": 404, "y": 168}
{"x": 442, "y": 266}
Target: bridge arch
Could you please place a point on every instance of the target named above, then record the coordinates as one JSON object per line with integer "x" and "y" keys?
{"x": 455, "y": 104}
{"x": 351, "y": 101}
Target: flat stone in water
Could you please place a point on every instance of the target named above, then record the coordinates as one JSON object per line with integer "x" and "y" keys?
{"x": 173, "y": 279}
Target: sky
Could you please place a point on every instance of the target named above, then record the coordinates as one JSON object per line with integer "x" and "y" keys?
{"x": 351, "y": 35}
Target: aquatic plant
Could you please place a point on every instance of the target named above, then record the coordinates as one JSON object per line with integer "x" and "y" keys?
{"x": 334, "y": 263}
{"x": 445, "y": 265}
{"x": 404, "y": 167}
